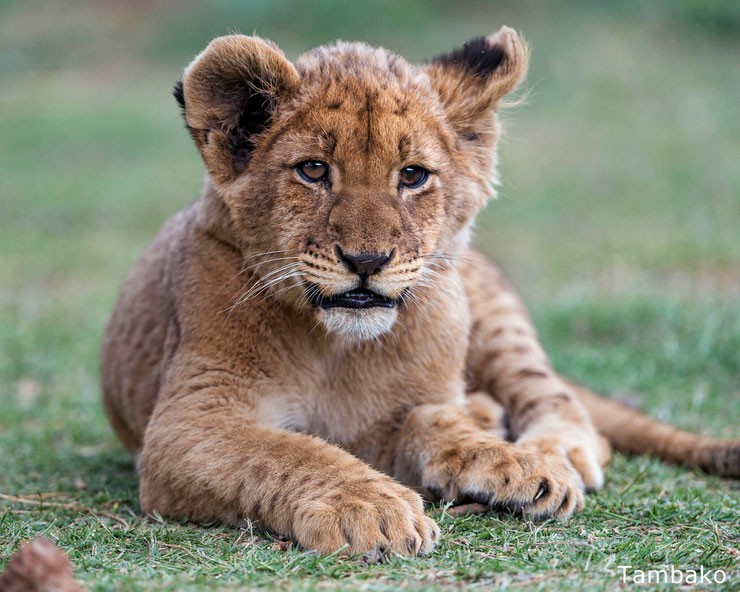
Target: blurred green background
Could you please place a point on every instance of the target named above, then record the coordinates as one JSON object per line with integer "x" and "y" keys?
{"x": 619, "y": 173}
{"x": 618, "y": 215}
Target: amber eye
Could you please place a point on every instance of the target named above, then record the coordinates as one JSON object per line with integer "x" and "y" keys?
{"x": 413, "y": 176}
{"x": 313, "y": 170}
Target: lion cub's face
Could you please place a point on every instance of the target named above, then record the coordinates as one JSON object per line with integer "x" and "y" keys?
{"x": 350, "y": 175}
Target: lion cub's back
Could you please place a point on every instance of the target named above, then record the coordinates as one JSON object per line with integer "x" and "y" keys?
{"x": 134, "y": 342}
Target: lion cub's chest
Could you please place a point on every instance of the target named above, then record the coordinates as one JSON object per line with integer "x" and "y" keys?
{"x": 352, "y": 394}
{"x": 349, "y": 398}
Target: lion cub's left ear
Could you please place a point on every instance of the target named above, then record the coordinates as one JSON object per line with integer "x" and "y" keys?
{"x": 228, "y": 95}
{"x": 472, "y": 80}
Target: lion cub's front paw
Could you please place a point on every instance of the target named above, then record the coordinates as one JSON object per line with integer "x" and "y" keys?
{"x": 501, "y": 474}
{"x": 376, "y": 515}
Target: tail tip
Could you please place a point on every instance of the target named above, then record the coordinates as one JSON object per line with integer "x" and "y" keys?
{"x": 722, "y": 458}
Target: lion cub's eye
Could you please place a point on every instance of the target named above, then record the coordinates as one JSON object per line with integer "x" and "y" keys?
{"x": 313, "y": 170}
{"x": 413, "y": 176}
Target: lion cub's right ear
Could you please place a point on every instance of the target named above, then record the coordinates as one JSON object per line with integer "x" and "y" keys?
{"x": 472, "y": 80}
{"x": 228, "y": 95}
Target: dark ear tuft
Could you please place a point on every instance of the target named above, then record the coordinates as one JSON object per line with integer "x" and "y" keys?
{"x": 179, "y": 93}
{"x": 255, "y": 113}
{"x": 480, "y": 57}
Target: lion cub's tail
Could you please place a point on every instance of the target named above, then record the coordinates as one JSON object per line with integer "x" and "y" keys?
{"x": 629, "y": 430}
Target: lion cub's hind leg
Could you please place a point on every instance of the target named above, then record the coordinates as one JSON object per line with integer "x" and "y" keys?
{"x": 507, "y": 361}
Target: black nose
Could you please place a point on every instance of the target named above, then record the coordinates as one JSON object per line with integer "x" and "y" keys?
{"x": 363, "y": 263}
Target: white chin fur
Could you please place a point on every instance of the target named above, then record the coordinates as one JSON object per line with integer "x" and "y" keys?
{"x": 358, "y": 324}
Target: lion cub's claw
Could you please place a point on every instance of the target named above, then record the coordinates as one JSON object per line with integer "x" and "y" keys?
{"x": 559, "y": 491}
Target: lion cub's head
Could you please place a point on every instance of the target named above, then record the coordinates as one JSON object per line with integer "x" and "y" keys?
{"x": 349, "y": 175}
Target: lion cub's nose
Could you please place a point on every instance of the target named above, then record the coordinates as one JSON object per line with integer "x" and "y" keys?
{"x": 363, "y": 263}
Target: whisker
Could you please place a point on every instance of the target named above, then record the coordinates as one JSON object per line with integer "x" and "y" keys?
{"x": 260, "y": 263}
{"x": 258, "y": 288}
{"x": 252, "y": 255}
{"x": 263, "y": 282}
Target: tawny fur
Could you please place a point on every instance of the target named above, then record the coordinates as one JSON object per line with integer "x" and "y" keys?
{"x": 243, "y": 400}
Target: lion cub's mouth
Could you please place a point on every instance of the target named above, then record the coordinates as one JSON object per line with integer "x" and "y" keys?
{"x": 357, "y": 298}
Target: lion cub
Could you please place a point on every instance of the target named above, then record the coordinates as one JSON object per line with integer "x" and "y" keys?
{"x": 312, "y": 345}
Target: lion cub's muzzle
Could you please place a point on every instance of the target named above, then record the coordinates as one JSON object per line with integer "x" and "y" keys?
{"x": 364, "y": 264}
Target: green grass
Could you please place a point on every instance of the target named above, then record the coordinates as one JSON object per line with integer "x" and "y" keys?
{"x": 617, "y": 218}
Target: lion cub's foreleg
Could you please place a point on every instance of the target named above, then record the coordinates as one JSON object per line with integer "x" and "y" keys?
{"x": 206, "y": 459}
{"x": 507, "y": 361}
